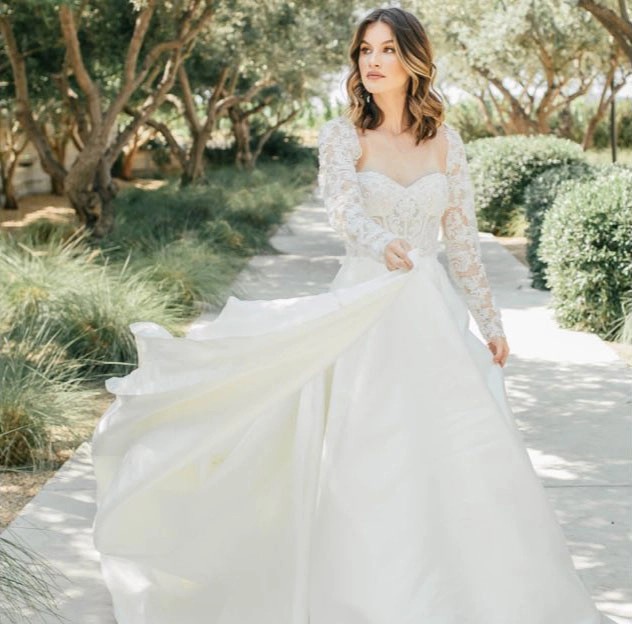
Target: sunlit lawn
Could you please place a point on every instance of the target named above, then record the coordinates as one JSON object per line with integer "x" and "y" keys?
{"x": 604, "y": 156}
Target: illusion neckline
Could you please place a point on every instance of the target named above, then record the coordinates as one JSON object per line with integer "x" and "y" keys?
{"x": 403, "y": 186}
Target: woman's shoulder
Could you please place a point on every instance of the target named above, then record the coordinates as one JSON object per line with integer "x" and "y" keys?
{"x": 340, "y": 125}
{"x": 455, "y": 145}
{"x": 341, "y": 131}
{"x": 452, "y": 133}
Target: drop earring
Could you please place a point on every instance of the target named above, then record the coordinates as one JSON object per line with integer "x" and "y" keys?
{"x": 368, "y": 98}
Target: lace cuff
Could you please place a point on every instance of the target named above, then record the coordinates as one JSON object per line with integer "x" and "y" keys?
{"x": 338, "y": 152}
{"x": 460, "y": 233}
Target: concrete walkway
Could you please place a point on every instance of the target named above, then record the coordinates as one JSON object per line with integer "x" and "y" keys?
{"x": 569, "y": 392}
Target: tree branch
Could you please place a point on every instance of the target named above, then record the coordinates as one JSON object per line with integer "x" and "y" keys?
{"x": 138, "y": 36}
{"x": 619, "y": 27}
{"x": 213, "y": 110}
{"x": 23, "y": 110}
{"x": 179, "y": 49}
{"x": 268, "y": 133}
{"x": 75, "y": 58}
{"x": 190, "y": 113}
{"x": 175, "y": 147}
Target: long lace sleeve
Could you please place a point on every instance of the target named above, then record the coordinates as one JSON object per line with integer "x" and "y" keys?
{"x": 460, "y": 235}
{"x": 338, "y": 151}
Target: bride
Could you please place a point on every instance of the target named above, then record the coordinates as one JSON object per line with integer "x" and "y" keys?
{"x": 348, "y": 457}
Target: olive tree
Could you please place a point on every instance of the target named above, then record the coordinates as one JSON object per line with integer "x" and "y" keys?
{"x": 157, "y": 38}
{"x": 524, "y": 61}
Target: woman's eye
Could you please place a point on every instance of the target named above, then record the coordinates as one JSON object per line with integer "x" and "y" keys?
{"x": 367, "y": 50}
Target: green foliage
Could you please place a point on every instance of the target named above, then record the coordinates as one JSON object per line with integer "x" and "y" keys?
{"x": 86, "y": 304}
{"x": 503, "y": 167}
{"x": 466, "y": 117}
{"x": 601, "y": 138}
{"x": 40, "y": 390}
{"x": 623, "y": 126}
{"x": 538, "y": 198}
{"x": 95, "y": 319}
{"x": 587, "y": 246}
{"x": 46, "y": 230}
{"x": 284, "y": 147}
{"x": 624, "y": 329}
{"x": 571, "y": 122}
{"x": 188, "y": 272}
{"x": 231, "y": 213}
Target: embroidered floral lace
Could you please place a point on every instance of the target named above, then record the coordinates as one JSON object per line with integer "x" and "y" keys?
{"x": 369, "y": 209}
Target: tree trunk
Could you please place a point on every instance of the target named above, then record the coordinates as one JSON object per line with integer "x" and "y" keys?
{"x": 602, "y": 105}
{"x": 241, "y": 133}
{"x": 590, "y": 132}
{"x": 128, "y": 162}
{"x": 57, "y": 186}
{"x": 107, "y": 190}
{"x": 90, "y": 189}
{"x": 188, "y": 177}
{"x": 8, "y": 190}
{"x": 7, "y": 171}
{"x": 59, "y": 146}
{"x": 193, "y": 169}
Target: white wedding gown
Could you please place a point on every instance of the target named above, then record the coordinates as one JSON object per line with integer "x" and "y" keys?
{"x": 342, "y": 458}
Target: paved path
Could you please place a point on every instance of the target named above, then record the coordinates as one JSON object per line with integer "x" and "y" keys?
{"x": 567, "y": 389}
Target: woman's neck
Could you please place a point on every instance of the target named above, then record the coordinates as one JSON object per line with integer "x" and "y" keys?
{"x": 393, "y": 107}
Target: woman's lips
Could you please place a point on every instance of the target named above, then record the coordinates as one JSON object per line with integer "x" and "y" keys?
{"x": 374, "y": 76}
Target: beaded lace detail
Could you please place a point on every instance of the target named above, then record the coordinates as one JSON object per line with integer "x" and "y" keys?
{"x": 369, "y": 209}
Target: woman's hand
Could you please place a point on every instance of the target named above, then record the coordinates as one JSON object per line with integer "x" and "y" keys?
{"x": 395, "y": 255}
{"x": 500, "y": 349}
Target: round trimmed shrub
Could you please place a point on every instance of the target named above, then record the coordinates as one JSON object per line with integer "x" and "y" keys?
{"x": 538, "y": 198}
{"x": 587, "y": 246}
{"x": 502, "y": 168}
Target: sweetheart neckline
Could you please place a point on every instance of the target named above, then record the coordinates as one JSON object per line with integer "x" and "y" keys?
{"x": 402, "y": 186}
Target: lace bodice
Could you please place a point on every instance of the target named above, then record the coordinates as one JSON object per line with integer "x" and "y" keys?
{"x": 369, "y": 209}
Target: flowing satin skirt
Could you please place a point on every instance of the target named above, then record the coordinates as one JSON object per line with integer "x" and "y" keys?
{"x": 342, "y": 458}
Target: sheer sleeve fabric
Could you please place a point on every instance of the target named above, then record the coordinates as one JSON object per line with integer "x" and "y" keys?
{"x": 460, "y": 235}
{"x": 338, "y": 151}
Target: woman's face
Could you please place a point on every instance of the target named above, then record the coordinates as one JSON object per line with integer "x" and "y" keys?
{"x": 380, "y": 69}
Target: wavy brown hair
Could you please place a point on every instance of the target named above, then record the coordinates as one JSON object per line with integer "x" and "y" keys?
{"x": 424, "y": 106}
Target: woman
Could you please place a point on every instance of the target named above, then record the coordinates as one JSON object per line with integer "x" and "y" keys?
{"x": 349, "y": 457}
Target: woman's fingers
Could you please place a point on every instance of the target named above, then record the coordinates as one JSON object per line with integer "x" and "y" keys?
{"x": 500, "y": 350}
{"x": 396, "y": 255}
{"x": 402, "y": 253}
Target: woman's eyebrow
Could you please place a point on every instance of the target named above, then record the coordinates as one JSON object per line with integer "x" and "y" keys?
{"x": 387, "y": 41}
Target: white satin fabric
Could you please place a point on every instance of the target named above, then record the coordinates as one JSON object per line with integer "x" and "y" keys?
{"x": 342, "y": 458}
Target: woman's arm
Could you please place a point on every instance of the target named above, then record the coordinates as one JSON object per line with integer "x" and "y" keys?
{"x": 460, "y": 234}
{"x": 337, "y": 178}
